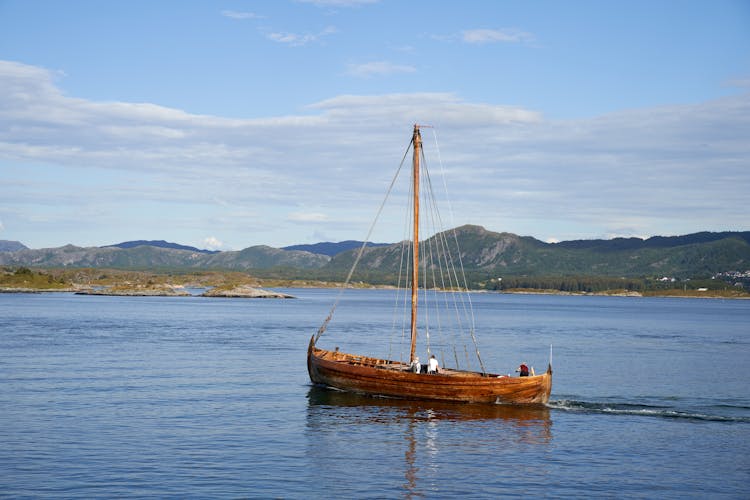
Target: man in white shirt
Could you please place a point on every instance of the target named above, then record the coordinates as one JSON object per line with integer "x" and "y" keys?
{"x": 432, "y": 365}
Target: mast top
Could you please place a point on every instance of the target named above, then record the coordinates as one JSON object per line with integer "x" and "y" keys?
{"x": 417, "y": 127}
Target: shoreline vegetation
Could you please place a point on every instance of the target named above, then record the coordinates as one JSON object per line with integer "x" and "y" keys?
{"x": 234, "y": 284}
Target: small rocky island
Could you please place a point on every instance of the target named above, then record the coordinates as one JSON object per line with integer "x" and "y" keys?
{"x": 91, "y": 281}
{"x": 244, "y": 291}
{"x": 238, "y": 291}
{"x": 138, "y": 291}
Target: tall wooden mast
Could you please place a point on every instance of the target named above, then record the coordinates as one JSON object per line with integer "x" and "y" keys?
{"x": 417, "y": 143}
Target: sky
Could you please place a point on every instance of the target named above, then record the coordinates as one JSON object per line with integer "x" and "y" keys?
{"x": 226, "y": 124}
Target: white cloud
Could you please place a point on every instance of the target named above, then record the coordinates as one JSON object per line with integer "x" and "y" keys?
{"x": 296, "y": 40}
{"x": 375, "y": 68}
{"x": 212, "y": 243}
{"x": 241, "y": 15}
{"x": 481, "y": 36}
{"x": 624, "y": 233}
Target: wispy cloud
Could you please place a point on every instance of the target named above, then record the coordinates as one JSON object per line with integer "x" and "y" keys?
{"x": 296, "y": 40}
{"x": 339, "y": 3}
{"x": 436, "y": 106}
{"x": 241, "y": 15}
{"x": 307, "y": 217}
{"x": 378, "y": 68}
{"x": 482, "y": 36}
{"x": 739, "y": 82}
{"x": 407, "y": 49}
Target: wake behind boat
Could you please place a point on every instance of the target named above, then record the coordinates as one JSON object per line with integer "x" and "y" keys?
{"x": 438, "y": 259}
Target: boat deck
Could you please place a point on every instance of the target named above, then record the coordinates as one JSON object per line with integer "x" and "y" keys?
{"x": 386, "y": 364}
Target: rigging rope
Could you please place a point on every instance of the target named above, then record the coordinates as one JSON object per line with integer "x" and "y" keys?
{"x": 361, "y": 250}
{"x": 404, "y": 257}
{"x": 460, "y": 260}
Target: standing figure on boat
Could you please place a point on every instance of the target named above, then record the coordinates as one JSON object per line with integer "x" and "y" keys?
{"x": 415, "y": 366}
{"x": 432, "y": 365}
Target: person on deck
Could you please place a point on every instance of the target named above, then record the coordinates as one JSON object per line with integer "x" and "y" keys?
{"x": 524, "y": 370}
{"x": 415, "y": 366}
{"x": 432, "y": 365}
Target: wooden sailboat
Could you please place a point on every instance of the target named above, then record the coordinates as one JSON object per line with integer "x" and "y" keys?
{"x": 392, "y": 378}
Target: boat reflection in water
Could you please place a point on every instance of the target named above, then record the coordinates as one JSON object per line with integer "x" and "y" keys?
{"x": 345, "y": 429}
{"x": 385, "y": 410}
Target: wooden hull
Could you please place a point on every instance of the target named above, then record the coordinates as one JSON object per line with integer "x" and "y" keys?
{"x": 381, "y": 377}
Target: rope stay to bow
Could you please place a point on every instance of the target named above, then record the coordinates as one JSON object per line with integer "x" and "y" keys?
{"x": 361, "y": 249}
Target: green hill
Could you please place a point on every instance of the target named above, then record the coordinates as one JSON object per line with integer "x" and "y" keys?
{"x": 153, "y": 257}
{"x": 486, "y": 255}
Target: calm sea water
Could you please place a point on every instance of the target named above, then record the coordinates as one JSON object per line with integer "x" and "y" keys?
{"x": 197, "y": 397}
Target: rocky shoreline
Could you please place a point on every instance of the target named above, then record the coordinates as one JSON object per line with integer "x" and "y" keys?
{"x": 253, "y": 292}
{"x": 245, "y": 291}
{"x": 240, "y": 291}
{"x": 15, "y": 289}
{"x": 160, "y": 291}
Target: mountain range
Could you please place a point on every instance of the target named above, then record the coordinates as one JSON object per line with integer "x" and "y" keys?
{"x": 159, "y": 244}
{"x": 11, "y": 246}
{"x": 482, "y": 252}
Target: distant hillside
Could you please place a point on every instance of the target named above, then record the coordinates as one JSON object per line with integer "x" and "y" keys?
{"x": 506, "y": 254}
{"x": 158, "y": 244}
{"x": 331, "y": 249}
{"x": 484, "y": 254}
{"x": 264, "y": 257}
{"x": 11, "y": 246}
{"x": 151, "y": 257}
{"x": 618, "y": 244}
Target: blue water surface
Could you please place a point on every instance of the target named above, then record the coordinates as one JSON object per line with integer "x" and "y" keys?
{"x": 194, "y": 397}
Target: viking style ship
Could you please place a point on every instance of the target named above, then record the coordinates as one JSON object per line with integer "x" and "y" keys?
{"x": 408, "y": 378}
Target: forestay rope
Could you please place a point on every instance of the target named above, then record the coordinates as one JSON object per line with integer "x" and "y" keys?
{"x": 361, "y": 249}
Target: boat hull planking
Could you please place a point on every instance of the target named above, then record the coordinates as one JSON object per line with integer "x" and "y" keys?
{"x": 362, "y": 374}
